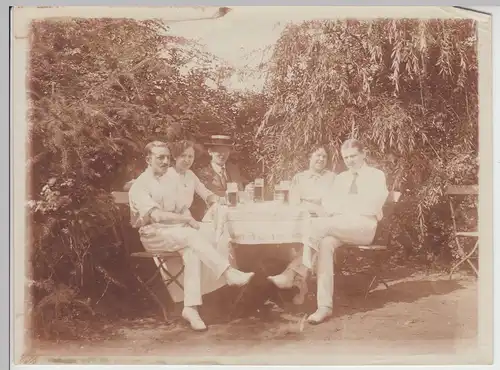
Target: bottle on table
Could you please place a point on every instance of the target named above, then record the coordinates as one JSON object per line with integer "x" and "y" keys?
{"x": 250, "y": 190}
{"x": 259, "y": 190}
{"x": 279, "y": 196}
{"x": 285, "y": 188}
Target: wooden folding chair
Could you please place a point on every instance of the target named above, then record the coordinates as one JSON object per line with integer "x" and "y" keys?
{"x": 463, "y": 190}
{"x": 379, "y": 247}
{"x": 161, "y": 259}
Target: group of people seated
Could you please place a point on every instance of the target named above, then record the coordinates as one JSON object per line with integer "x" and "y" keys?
{"x": 349, "y": 205}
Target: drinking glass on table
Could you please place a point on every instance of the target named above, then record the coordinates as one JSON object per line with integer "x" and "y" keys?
{"x": 285, "y": 188}
{"x": 259, "y": 190}
{"x": 250, "y": 192}
{"x": 232, "y": 194}
{"x": 242, "y": 197}
{"x": 279, "y": 196}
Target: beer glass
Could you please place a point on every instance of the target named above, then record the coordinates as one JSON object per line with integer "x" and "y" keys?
{"x": 278, "y": 194}
{"x": 250, "y": 189}
{"x": 259, "y": 190}
{"x": 285, "y": 188}
{"x": 232, "y": 194}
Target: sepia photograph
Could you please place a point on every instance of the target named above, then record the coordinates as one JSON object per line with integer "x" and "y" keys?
{"x": 252, "y": 185}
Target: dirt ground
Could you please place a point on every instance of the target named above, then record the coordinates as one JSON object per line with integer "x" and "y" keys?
{"x": 420, "y": 316}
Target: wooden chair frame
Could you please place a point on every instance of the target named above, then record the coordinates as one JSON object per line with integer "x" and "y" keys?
{"x": 457, "y": 190}
{"x": 161, "y": 261}
{"x": 380, "y": 250}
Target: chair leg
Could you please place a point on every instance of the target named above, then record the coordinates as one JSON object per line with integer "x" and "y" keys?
{"x": 377, "y": 273}
{"x": 370, "y": 286}
{"x": 466, "y": 259}
{"x": 236, "y": 301}
{"x": 172, "y": 278}
{"x": 154, "y": 296}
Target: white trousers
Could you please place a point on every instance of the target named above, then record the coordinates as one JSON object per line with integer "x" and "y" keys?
{"x": 328, "y": 234}
{"x": 197, "y": 249}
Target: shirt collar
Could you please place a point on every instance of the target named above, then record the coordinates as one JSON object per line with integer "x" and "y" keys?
{"x": 311, "y": 174}
{"x": 152, "y": 175}
{"x": 361, "y": 169}
{"x": 217, "y": 168}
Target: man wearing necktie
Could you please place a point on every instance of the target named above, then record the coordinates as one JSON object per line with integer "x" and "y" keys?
{"x": 350, "y": 213}
{"x": 220, "y": 171}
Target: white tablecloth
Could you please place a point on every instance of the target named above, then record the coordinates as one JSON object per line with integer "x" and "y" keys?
{"x": 264, "y": 223}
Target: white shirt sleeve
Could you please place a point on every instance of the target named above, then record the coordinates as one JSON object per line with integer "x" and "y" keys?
{"x": 201, "y": 189}
{"x": 141, "y": 203}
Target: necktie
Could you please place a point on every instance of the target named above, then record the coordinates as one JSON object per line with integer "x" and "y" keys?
{"x": 223, "y": 176}
{"x": 354, "y": 187}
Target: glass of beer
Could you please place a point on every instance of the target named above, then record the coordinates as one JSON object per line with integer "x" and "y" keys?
{"x": 285, "y": 188}
{"x": 259, "y": 190}
{"x": 249, "y": 189}
{"x": 232, "y": 194}
{"x": 278, "y": 194}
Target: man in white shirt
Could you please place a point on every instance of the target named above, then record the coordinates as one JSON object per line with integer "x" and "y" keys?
{"x": 350, "y": 214}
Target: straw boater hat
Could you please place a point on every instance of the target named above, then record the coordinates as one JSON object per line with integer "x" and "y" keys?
{"x": 220, "y": 140}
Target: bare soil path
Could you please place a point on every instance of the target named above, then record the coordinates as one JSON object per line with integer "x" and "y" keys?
{"x": 421, "y": 316}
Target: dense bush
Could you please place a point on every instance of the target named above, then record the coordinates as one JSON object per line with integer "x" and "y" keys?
{"x": 99, "y": 90}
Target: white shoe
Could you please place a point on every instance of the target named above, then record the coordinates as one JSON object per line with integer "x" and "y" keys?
{"x": 192, "y": 316}
{"x": 283, "y": 280}
{"x": 321, "y": 314}
{"x": 237, "y": 277}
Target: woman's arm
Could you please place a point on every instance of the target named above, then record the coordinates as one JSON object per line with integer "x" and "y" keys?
{"x": 208, "y": 196}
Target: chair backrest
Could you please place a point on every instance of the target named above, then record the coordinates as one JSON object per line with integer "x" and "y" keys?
{"x": 121, "y": 197}
{"x": 389, "y": 206}
{"x": 462, "y": 190}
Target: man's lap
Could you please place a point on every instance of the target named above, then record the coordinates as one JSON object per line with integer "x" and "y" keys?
{"x": 349, "y": 229}
{"x": 171, "y": 238}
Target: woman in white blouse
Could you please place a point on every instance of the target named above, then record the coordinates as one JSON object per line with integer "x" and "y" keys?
{"x": 308, "y": 189}
{"x": 310, "y": 186}
{"x": 167, "y": 225}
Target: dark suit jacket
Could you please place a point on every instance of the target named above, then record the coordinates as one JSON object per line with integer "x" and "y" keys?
{"x": 213, "y": 182}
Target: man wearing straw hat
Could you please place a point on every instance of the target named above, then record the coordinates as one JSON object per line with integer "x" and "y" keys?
{"x": 219, "y": 172}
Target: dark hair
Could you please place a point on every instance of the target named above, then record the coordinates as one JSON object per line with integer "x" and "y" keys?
{"x": 353, "y": 143}
{"x": 176, "y": 149}
{"x": 314, "y": 148}
{"x": 154, "y": 144}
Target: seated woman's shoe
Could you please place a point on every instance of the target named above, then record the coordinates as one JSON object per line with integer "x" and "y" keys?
{"x": 192, "y": 316}
{"x": 321, "y": 315}
{"x": 238, "y": 278}
{"x": 283, "y": 280}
